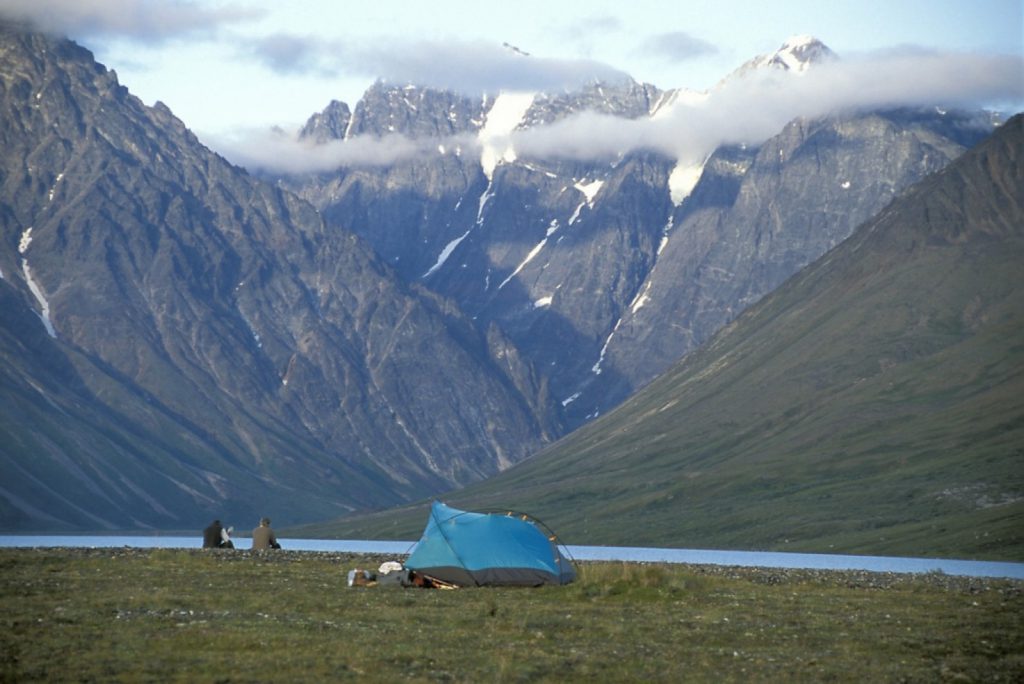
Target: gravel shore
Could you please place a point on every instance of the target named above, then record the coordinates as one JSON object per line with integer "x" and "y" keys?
{"x": 857, "y": 579}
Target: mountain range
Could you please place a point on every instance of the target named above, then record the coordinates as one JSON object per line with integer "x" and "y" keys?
{"x": 871, "y": 404}
{"x": 181, "y": 339}
{"x": 605, "y": 272}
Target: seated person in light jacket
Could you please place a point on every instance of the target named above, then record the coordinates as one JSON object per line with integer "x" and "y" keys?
{"x": 263, "y": 537}
{"x": 225, "y": 538}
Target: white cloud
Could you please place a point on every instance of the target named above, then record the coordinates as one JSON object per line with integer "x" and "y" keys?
{"x": 743, "y": 110}
{"x": 752, "y": 108}
{"x": 586, "y": 33}
{"x": 291, "y": 54}
{"x": 274, "y": 150}
{"x": 676, "y": 46}
{"x": 466, "y": 67}
{"x": 474, "y": 68}
{"x": 139, "y": 20}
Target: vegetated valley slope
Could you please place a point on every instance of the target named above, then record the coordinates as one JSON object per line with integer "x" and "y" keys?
{"x": 180, "y": 341}
{"x": 874, "y": 403}
{"x": 605, "y": 271}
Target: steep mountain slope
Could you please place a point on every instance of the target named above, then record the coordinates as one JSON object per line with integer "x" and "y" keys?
{"x": 179, "y": 340}
{"x": 754, "y": 219}
{"x": 873, "y": 403}
{"x": 604, "y": 272}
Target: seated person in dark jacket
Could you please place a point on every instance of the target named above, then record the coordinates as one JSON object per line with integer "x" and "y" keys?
{"x": 213, "y": 537}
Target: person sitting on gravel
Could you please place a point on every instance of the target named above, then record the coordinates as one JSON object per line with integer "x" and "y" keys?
{"x": 263, "y": 537}
{"x": 215, "y": 538}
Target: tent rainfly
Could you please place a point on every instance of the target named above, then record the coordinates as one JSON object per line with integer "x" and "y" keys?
{"x": 487, "y": 549}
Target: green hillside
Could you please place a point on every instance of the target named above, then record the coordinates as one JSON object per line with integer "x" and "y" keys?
{"x": 873, "y": 404}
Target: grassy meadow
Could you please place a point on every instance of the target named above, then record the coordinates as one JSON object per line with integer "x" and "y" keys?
{"x": 219, "y": 616}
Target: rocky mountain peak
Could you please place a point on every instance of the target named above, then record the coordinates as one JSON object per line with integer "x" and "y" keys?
{"x": 330, "y": 124}
{"x": 796, "y": 55}
{"x": 801, "y": 52}
{"x": 415, "y": 111}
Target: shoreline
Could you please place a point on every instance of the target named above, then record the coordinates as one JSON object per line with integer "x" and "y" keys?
{"x": 855, "y": 579}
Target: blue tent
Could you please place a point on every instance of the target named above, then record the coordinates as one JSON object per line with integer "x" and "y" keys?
{"x": 487, "y": 549}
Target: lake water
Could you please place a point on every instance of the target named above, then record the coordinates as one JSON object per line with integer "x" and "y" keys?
{"x": 763, "y": 559}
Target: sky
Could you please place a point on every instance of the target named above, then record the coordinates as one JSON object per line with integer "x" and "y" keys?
{"x": 230, "y": 69}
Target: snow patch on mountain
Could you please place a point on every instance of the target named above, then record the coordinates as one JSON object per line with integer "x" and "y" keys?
{"x": 484, "y": 198}
{"x": 53, "y": 188}
{"x": 589, "y": 190}
{"x": 576, "y": 214}
{"x": 683, "y": 179}
{"x": 25, "y": 241}
{"x": 596, "y": 368}
{"x": 552, "y": 229}
{"x": 450, "y": 247}
{"x": 507, "y": 112}
{"x": 252, "y": 331}
{"x": 641, "y": 299}
{"x": 445, "y": 253}
{"x": 37, "y": 292}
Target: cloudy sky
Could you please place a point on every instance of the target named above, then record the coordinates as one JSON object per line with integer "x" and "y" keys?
{"x": 246, "y": 65}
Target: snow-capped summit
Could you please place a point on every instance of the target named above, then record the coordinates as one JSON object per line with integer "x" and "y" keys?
{"x": 800, "y": 52}
{"x": 796, "y": 55}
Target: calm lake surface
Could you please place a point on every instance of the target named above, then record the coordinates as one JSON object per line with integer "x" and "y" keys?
{"x": 763, "y": 559}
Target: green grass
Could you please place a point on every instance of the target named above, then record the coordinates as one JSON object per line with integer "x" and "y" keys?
{"x": 188, "y": 615}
